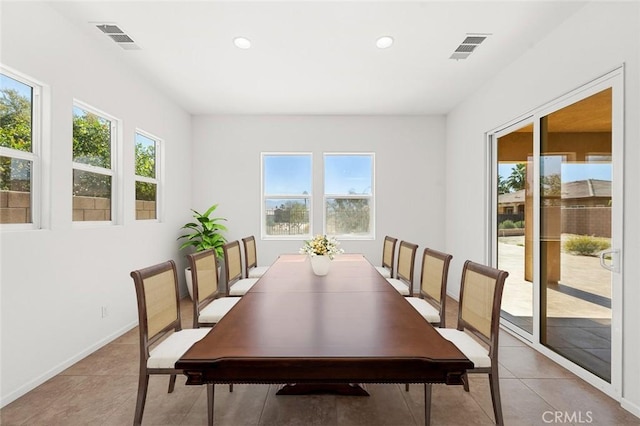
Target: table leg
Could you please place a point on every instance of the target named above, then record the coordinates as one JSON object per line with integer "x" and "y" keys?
{"x": 210, "y": 394}
{"x": 427, "y": 404}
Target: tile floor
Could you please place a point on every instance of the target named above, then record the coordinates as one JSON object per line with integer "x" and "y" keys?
{"x": 101, "y": 390}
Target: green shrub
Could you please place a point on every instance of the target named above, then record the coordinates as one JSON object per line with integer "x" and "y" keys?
{"x": 519, "y": 224}
{"x": 507, "y": 224}
{"x": 585, "y": 245}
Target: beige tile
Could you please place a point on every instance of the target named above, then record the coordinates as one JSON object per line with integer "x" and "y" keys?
{"x": 384, "y": 406}
{"x": 285, "y": 410}
{"x": 243, "y": 406}
{"x": 112, "y": 359}
{"x": 520, "y": 405}
{"x": 59, "y": 388}
{"x": 92, "y": 402}
{"x": 524, "y": 362}
{"x": 578, "y": 399}
{"x": 450, "y": 405}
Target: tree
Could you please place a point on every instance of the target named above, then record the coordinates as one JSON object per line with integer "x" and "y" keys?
{"x": 350, "y": 215}
{"x": 517, "y": 179}
{"x": 145, "y": 166}
{"x": 15, "y": 120}
{"x": 503, "y": 187}
{"x": 15, "y": 133}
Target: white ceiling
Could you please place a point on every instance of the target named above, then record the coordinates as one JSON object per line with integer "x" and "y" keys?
{"x": 317, "y": 57}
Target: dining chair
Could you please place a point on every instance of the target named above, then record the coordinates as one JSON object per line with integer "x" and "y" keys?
{"x": 433, "y": 287}
{"x": 252, "y": 270}
{"x": 162, "y": 339}
{"x": 236, "y": 284}
{"x": 209, "y": 303}
{"x": 388, "y": 257}
{"x": 403, "y": 282}
{"x": 479, "y": 314}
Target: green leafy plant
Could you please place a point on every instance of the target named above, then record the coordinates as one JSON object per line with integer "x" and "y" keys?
{"x": 586, "y": 245}
{"x": 205, "y": 233}
{"x": 507, "y": 224}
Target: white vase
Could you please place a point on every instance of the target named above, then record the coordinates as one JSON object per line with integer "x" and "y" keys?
{"x": 320, "y": 265}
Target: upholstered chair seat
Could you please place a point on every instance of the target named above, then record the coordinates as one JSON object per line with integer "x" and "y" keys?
{"x": 241, "y": 287}
{"x": 217, "y": 309}
{"x": 425, "y": 309}
{"x": 173, "y": 347}
{"x": 399, "y": 285}
{"x": 384, "y": 271}
{"x": 257, "y": 271}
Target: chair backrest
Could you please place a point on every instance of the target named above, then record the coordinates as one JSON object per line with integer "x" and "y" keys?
{"x": 158, "y": 303}
{"x": 250, "y": 256}
{"x": 389, "y": 252}
{"x": 480, "y": 298}
{"x": 204, "y": 275}
{"x": 406, "y": 262}
{"x": 433, "y": 279}
{"x": 232, "y": 262}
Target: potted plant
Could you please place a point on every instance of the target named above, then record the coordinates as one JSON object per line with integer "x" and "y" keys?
{"x": 203, "y": 234}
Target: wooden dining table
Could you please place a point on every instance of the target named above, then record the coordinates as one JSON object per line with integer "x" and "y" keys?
{"x": 324, "y": 332}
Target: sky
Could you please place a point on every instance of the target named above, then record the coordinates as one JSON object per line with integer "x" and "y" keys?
{"x": 570, "y": 172}
{"x": 292, "y": 174}
{"x": 9, "y": 83}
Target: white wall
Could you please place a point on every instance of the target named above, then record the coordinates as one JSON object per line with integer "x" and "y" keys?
{"x": 54, "y": 281}
{"x": 409, "y": 172}
{"x": 597, "y": 39}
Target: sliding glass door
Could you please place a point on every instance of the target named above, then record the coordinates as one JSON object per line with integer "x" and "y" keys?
{"x": 557, "y": 228}
{"x": 575, "y": 224}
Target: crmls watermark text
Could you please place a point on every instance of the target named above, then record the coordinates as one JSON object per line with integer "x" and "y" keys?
{"x": 575, "y": 417}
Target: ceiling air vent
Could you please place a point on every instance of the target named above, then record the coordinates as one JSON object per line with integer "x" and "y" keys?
{"x": 118, "y": 35}
{"x": 468, "y": 45}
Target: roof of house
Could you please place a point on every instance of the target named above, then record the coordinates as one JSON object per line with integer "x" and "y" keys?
{"x": 588, "y": 188}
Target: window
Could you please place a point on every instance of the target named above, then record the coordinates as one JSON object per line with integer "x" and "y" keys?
{"x": 19, "y": 150}
{"x": 286, "y": 193}
{"x": 348, "y": 195}
{"x": 146, "y": 147}
{"x": 94, "y": 136}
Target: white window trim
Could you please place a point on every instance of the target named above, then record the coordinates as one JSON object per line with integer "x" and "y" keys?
{"x": 114, "y": 171}
{"x": 371, "y": 198}
{"x": 157, "y": 180}
{"x": 35, "y": 156}
{"x": 264, "y": 198}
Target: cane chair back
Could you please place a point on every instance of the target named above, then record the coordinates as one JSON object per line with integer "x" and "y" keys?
{"x": 479, "y": 313}
{"x": 388, "y": 257}
{"x": 162, "y": 340}
{"x": 433, "y": 287}
{"x": 235, "y": 284}
{"x": 252, "y": 270}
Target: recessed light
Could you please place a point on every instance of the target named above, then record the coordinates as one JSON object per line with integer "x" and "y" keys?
{"x": 384, "y": 42}
{"x": 242, "y": 43}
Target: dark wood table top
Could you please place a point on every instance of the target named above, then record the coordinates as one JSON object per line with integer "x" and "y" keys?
{"x": 350, "y": 326}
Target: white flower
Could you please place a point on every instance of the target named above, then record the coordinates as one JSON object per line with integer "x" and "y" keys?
{"x": 322, "y": 245}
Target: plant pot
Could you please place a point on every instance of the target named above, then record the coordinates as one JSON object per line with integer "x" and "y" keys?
{"x": 187, "y": 278}
{"x": 320, "y": 265}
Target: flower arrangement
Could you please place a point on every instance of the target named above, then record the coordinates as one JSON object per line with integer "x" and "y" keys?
{"x": 321, "y": 245}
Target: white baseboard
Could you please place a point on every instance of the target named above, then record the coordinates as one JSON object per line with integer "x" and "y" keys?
{"x": 630, "y": 407}
{"x": 32, "y": 384}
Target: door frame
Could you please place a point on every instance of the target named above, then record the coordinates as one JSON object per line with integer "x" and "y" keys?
{"x": 615, "y": 80}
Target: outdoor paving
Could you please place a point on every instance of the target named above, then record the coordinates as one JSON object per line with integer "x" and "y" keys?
{"x": 578, "y": 308}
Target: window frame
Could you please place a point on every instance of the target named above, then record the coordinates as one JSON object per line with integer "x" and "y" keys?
{"x": 34, "y": 156}
{"x": 264, "y": 197}
{"x": 113, "y": 172}
{"x": 372, "y": 208}
{"x": 158, "y": 173}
